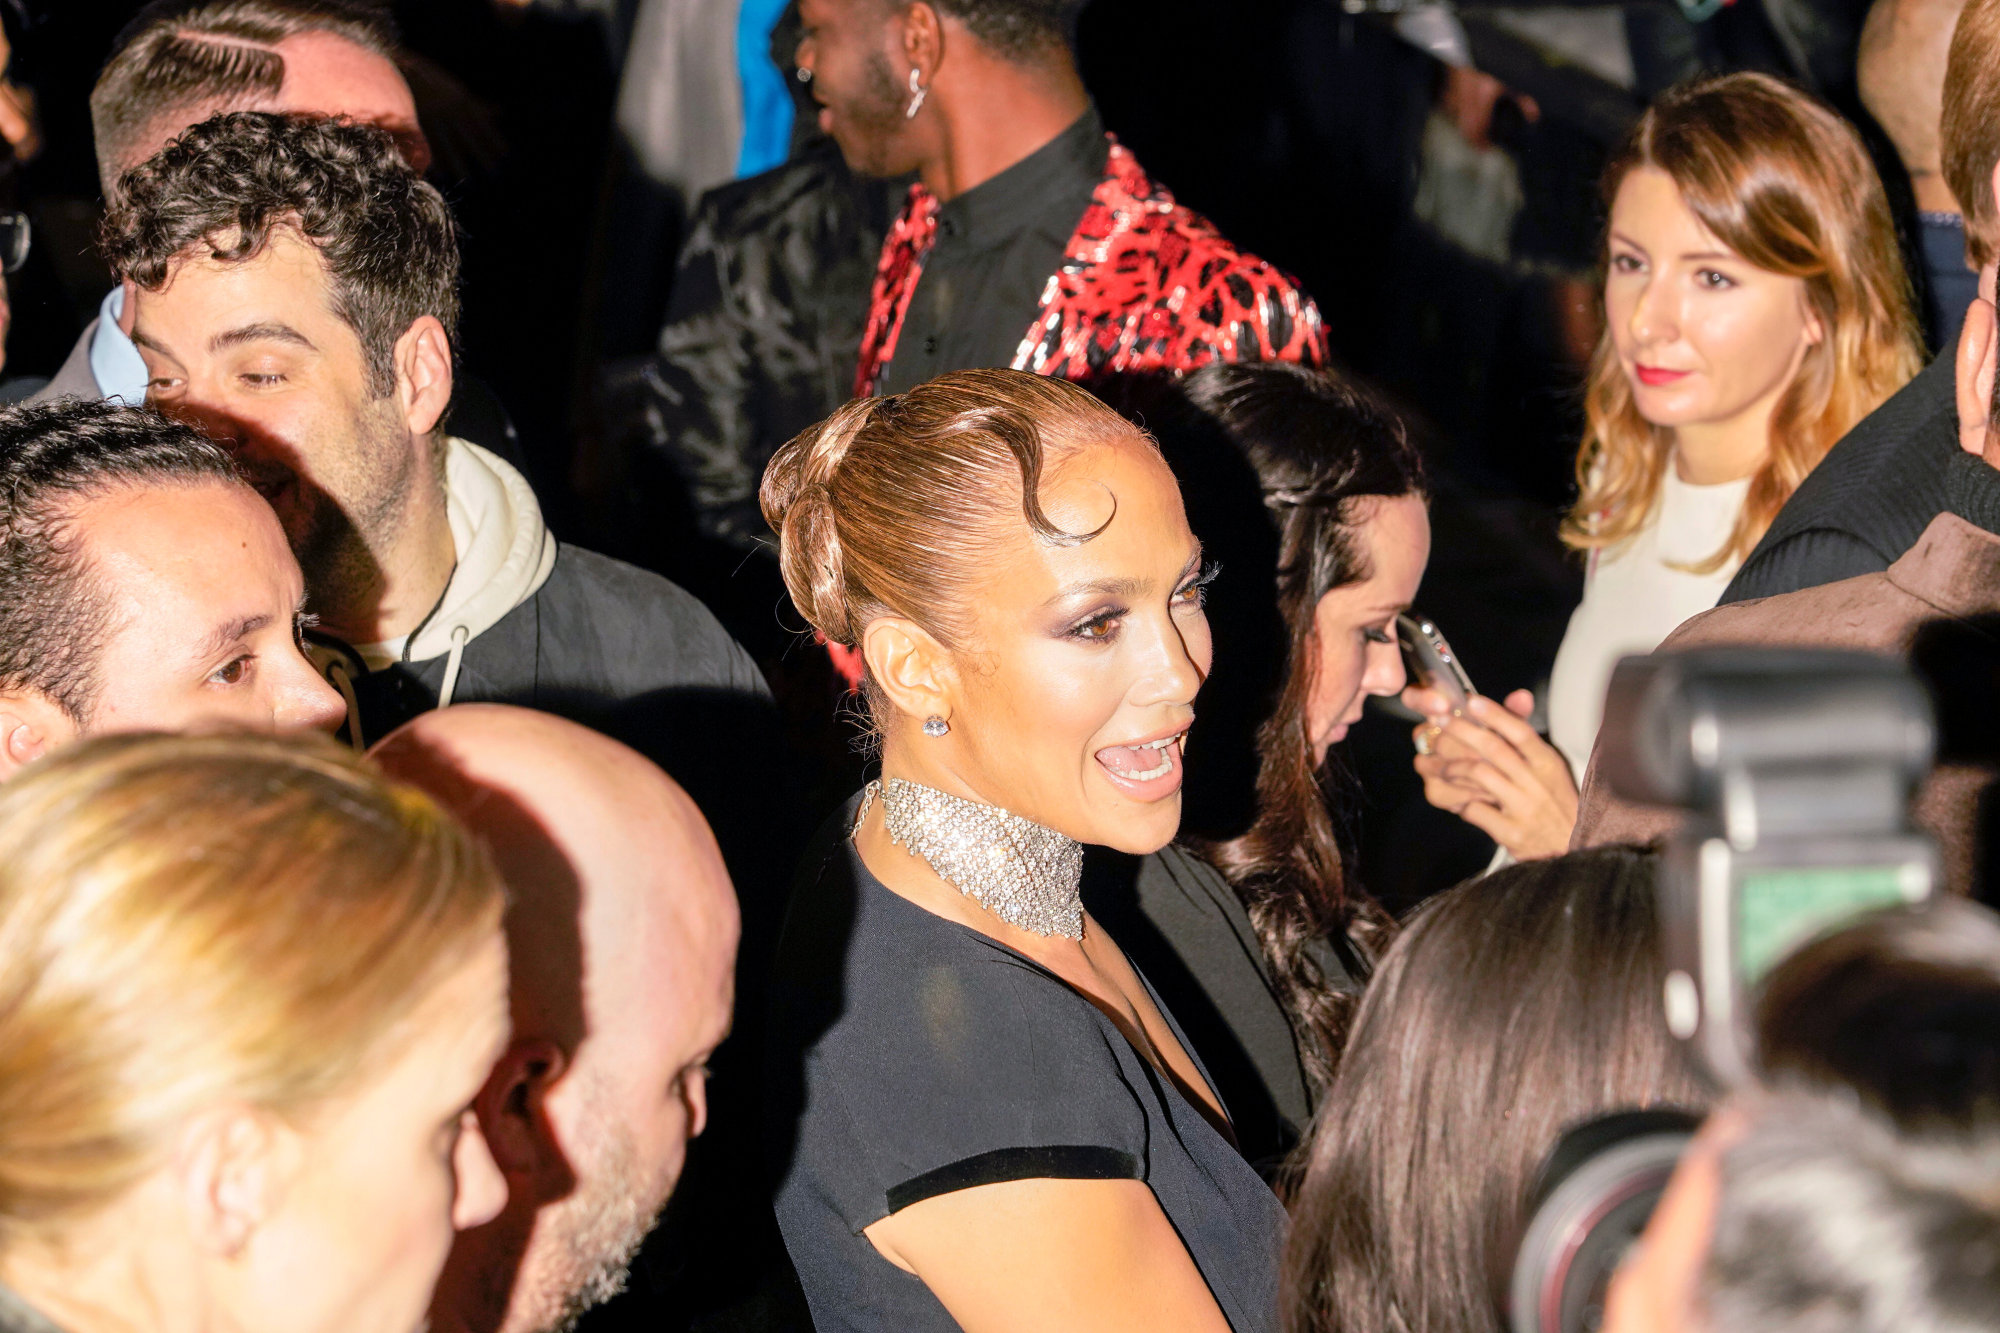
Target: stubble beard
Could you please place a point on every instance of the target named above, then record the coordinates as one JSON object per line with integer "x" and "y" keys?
{"x": 877, "y": 119}
{"x": 592, "y": 1238}
{"x": 339, "y": 545}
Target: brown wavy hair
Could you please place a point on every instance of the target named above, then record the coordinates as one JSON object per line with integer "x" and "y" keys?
{"x": 1511, "y": 1009}
{"x": 1784, "y": 182}
{"x": 1324, "y": 452}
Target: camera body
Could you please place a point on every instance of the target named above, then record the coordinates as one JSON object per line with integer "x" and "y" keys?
{"x": 1796, "y": 768}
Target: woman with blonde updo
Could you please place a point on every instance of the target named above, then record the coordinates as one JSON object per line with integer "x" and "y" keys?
{"x": 1755, "y": 309}
{"x": 986, "y": 1120}
{"x": 248, "y": 990}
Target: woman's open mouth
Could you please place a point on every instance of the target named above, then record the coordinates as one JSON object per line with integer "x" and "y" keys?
{"x": 1149, "y": 770}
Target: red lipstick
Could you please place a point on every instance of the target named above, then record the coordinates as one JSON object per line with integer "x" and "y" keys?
{"x": 1654, "y": 376}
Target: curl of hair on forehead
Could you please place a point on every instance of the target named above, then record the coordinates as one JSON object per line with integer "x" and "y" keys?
{"x": 892, "y": 505}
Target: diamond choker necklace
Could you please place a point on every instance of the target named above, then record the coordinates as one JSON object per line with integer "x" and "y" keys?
{"x": 1023, "y": 873}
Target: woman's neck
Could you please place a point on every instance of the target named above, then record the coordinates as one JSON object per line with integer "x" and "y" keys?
{"x": 93, "y": 1288}
{"x": 911, "y": 877}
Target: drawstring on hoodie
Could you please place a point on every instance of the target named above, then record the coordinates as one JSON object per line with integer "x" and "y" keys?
{"x": 460, "y": 634}
{"x": 339, "y": 677}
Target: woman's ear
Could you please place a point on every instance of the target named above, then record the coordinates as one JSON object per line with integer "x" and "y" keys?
{"x": 910, "y": 667}
{"x": 232, "y": 1168}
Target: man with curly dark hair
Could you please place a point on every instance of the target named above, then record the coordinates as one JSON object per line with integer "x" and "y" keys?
{"x": 296, "y": 293}
{"x": 180, "y": 61}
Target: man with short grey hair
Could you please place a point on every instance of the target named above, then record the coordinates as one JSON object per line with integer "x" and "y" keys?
{"x": 179, "y": 62}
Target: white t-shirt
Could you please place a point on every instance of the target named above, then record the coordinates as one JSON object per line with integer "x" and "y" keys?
{"x": 1633, "y": 597}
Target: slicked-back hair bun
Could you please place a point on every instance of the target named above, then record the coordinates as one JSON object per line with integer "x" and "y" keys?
{"x": 886, "y": 507}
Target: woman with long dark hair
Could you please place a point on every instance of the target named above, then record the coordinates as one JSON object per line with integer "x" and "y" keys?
{"x": 1509, "y": 1010}
{"x": 1344, "y": 485}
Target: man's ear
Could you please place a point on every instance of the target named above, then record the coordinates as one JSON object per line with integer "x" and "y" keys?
{"x": 423, "y": 374}
{"x": 923, "y": 42}
{"x": 1973, "y": 374}
{"x": 232, "y": 1168}
{"x": 910, "y": 667}
{"x": 31, "y": 725}
{"x": 512, "y": 1111}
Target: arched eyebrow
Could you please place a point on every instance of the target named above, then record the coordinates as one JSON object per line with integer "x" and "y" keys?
{"x": 1132, "y": 588}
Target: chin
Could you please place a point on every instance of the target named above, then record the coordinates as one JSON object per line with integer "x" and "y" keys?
{"x": 1138, "y": 830}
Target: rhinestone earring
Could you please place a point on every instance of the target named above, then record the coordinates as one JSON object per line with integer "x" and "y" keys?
{"x": 917, "y": 93}
{"x": 935, "y": 725}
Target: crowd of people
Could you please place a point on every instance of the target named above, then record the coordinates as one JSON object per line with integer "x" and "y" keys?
{"x": 410, "y": 919}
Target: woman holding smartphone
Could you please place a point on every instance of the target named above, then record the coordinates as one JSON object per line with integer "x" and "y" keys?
{"x": 1755, "y": 309}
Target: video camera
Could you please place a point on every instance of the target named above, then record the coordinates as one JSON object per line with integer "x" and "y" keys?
{"x": 1795, "y": 769}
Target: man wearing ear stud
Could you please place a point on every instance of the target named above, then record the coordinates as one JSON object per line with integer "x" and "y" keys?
{"x": 1032, "y": 240}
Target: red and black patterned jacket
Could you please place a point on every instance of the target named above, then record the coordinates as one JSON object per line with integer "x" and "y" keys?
{"x": 1145, "y": 285}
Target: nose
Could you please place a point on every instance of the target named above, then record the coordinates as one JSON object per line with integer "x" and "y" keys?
{"x": 305, "y": 702}
{"x": 481, "y": 1190}
{"x": 1178, "y": 664}
{"x": 1384, "y": 674}
{"x": 1655, "y": 315}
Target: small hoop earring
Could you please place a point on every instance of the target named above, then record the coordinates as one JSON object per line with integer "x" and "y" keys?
{"x": 917, "y": 94}
{"x": 935, "y": 725}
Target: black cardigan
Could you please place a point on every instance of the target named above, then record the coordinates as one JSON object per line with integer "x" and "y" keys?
{"x": 1869, "y": 499}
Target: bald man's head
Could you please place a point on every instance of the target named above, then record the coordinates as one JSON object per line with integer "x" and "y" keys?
{"x": 622, "y": 931}
{"x": 1901, "y": 72}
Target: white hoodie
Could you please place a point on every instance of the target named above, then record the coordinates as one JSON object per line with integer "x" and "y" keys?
{"x": 505, "y": 554}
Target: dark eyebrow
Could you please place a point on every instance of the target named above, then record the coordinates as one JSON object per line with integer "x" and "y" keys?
{"x": 231, "y": 633}
{"x": 269, "y": 330}
{"x": 1130, "y": 588}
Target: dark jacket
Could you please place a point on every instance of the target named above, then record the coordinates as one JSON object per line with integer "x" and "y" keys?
{"x": 767, "y": 309}
{"x": 530, "y": 621}
{"x": 1868, "y": 500}
{"x": 1938, "y": 605}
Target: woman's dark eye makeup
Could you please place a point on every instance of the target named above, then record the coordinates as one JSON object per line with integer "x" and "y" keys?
{"x": 1102, "y": 626}
{"x": 1377, "y": 634}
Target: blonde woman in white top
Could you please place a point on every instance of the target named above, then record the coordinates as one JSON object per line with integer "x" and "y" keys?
{"x": 1755, "y": 309}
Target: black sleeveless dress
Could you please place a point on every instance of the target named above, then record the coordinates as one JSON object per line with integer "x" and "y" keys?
{"x": 913, "y": 1056}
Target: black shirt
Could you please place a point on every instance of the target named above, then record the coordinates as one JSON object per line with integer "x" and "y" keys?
{"x": 913, "y": 1057}
{"x": 998, "y": 247}
{"x": 1186, "y": 931}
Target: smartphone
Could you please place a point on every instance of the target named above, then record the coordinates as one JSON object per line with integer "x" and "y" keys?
{"x": 1430, "y": 661}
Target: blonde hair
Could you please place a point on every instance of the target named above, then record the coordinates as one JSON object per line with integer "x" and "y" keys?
{"x": 191, "y": 921}
{"x": 1784, "y": 182}
{"x": 887, "y": 506}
